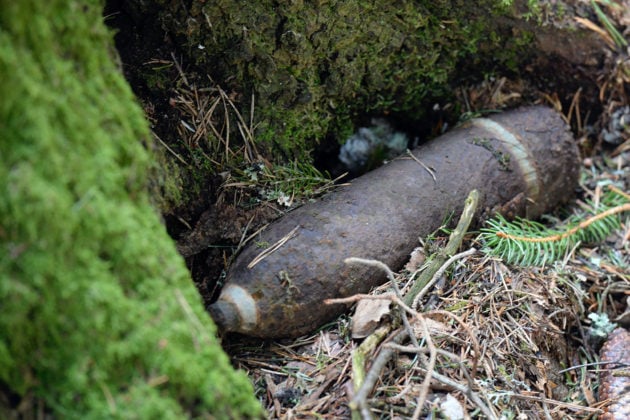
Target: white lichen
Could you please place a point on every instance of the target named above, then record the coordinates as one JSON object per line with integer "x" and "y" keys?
{"x": 371, "y": 145}
{"x": 618, "y": 129}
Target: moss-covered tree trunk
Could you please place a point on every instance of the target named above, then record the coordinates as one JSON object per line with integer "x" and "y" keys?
{"x": 99, "y": 316}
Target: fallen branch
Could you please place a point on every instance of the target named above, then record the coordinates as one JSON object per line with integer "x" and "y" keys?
{"x": 439, "y": 274}
{"x": 454, "y": 242}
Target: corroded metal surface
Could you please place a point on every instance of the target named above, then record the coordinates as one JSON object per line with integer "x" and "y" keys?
{"x": 522, "y": 162}
{"x": 614, "y": 386}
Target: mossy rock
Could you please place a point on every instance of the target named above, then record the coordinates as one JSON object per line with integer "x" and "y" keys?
{"x": 318, "y": 70}
{"x": 99, "y": 316}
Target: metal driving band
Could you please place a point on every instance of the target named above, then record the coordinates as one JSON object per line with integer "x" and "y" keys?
{"x": 519, "y": 152}
{"x": 244, "y": 303}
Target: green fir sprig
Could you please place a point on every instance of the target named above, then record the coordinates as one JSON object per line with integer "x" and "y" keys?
{"x": 525, "y": 242}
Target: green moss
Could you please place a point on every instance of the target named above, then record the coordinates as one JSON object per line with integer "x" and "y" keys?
{"x": 318, "y": 68}
{"x": 167, "y": 180}
{"x": 99, "y": 316}
{"x": 158, "y": 78}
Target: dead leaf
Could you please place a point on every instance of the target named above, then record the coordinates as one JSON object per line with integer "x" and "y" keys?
{"x": 435, "y": 327}
{"x": 368, "y": 316}
{"x": 416, "y": 259}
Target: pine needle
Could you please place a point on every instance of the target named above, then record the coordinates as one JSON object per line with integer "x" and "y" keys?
{"x": 525, "y": 242}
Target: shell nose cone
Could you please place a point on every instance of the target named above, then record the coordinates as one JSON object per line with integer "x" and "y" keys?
{"x": 225, "y": 315}
{"x": 235, "y": 311}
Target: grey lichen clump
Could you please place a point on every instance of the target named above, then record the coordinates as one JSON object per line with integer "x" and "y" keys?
{"x": 370, "y": 146}
{"x": 618, "y": 129}
{"x": 99, "y": 316}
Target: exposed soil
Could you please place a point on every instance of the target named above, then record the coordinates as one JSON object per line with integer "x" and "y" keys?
{"x": 207, "y": 229}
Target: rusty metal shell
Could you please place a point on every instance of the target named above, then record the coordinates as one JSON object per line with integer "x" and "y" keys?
{"x": 523, "y": 162}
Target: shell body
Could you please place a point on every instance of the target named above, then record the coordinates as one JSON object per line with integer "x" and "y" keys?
{"x": 522, "y": 162}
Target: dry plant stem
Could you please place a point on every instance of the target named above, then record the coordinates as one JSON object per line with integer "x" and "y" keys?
{"x": 361, "y": 352}
{"x": 403, "y": 315}
{"x": 169, "y": 149}
{"x": 455, "y": 240}
{"x": 399, "y": 302}
{"x": 363, "y": 383}
{"x": 423, "y": 350}
{"x": 273, "y": 248}
{"x": 618, "y": 191}
{"x": 426, "y": 168}
{"x": 370, "y": 343}
{"x": 360, "y": 296}
{"x": 462, "y": 388}
{"x": 439, "y": 274}
{"x": 467, "y": 391}
{"x": 570, "y": 406}
{"x": 433, "y": 351}
{"x": 392, "y": 280}
{"x": 424, "y": 388}
{"x": 179, "y": 69}
{"x": 473, "y": 340}
{"x": 359, "y": 405}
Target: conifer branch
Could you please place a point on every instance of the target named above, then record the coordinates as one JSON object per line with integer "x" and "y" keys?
{"x": 557, "y": 237}
{"x": 525, "y": 242}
